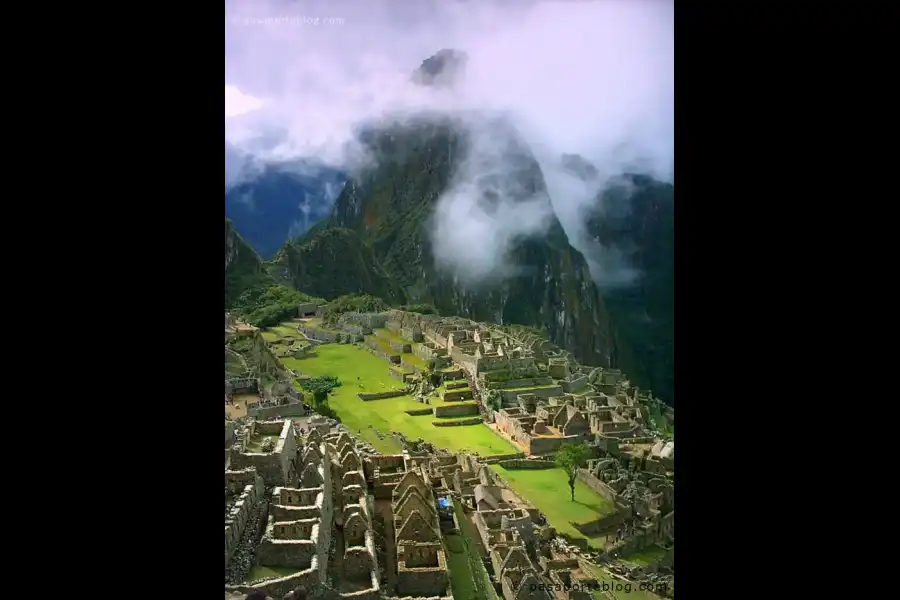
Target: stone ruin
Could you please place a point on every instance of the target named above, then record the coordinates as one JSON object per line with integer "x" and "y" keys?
{"x": 317, "y": 522}
{"x": 509, "y": 528}
{"x": 543, "y": 430}
{"x": 421, "y": 563}
{"x": 276, "y": 466}
{"x": 646, "y": 500}
{"x": 546, "y": 400}
{"x": 243, "y": 385}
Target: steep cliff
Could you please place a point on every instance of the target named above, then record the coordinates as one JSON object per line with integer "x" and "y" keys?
{"x": 332, "y": 262}
{"x": 638, "y": 219}
{"x": 243, "y": 267}
{"x": 388, "y": 210}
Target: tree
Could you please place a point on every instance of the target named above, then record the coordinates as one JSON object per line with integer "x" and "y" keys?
{"x": 570, "y": 458}
{"x": 320, "y": 386}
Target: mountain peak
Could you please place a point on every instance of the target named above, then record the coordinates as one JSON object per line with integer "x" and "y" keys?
{"x": 442, "y": 69}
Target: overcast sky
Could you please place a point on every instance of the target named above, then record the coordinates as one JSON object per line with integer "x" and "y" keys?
{"x": 589, "y": 77}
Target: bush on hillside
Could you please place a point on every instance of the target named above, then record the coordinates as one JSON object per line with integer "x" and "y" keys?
{"x": 267, "y": 307}
{"x": 423, "y": 309}
{"x": 362, "y": 303}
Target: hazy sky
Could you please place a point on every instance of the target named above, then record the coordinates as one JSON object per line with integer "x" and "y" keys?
{"x": 589, "y": 77}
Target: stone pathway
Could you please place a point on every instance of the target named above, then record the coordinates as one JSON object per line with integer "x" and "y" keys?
{"x": 244, "y": 556}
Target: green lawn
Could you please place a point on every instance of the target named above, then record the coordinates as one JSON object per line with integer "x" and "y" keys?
{"x": 548, "y": 490}
{"x": 414, "y": 360}
{"x": 383, "y": 345}
{"x": 620, "y": 593}
{"x": 347, "y": 363}
{"x": 646, "y": 556}
{"x": 394, "y": 337}
{"x": 288, "y": 331}
{"x": 465, "y": 563}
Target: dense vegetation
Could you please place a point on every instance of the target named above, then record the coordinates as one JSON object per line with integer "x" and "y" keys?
{"x": 639, "y": 217}
{"x": 244, "y": 268}
{"x": 269, "y": 306}
{"x": 320, "y": 387}
{"x": 332, "y": 262}
{"x": 375, "y": 245}
{"x": 378, "y": 237}
{"x": 362, "y": 303}
{"x": 250, "y": 290}
{"x": 422, "y": 309}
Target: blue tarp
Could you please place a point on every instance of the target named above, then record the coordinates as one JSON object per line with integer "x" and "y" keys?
{"x": 444, "y": 502}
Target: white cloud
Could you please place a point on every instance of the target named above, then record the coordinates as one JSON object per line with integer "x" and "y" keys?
{"x": 238, "y": 103}
{"x": 594, "y": 78}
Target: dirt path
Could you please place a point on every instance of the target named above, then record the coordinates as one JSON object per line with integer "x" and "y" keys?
{"x": 384, "y": 512}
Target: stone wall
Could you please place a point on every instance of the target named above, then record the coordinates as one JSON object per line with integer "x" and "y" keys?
{"x": 547, "y": 445}
{"x": 236, "y": 520}
{"x": 286, "y": 553}
{"x": 457, "y": 423}
{"x": 495, "y": 381}
{"x": 367, "y": 397}
{"x": 421, "y": 581}
{"x": 295, "y": 409}
{"x": 366, "y": 320}
{"x": 547, "y": 392}
{"x": 452, "y": 375}
{"x": 455, "y": 410}
{"x": 268, "y": 427}
{"x": 317, "y": 334}
{"x": 598, "y": 486}
{"x": 419, "y": 412}
{"x": 279, "y": 587}
{"x": 267, "y": 465}
{"x": 457, "y": 395}
{"x": 375, "y": 349}
{"x": 400, "y": 375}
{"x": 401, "y": 347}
{"x": 575, "y": 384}
{"x": 603, "y": 524}
{"x": 496, "y": 458}
{"x": 426, "y": 351}
{"x": 527, "y": 464}
{"x": 413, "y": 367}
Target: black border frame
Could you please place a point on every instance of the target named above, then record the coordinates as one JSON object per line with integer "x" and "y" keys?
{"x": 154, "y": 496}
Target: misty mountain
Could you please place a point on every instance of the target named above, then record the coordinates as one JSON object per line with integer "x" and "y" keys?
{"x": 244, "y": 268}
{"x": 633, "y": 221}
{"x": 387, "y": 209}
{"x": 274, "y": 203}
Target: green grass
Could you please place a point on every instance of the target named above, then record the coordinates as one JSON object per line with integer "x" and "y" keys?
{"x": 548, "y": 490}
{"x": 463, "y": 559}
{"x": 646, "y": 556}
{"x": 287, "y": 331}
{"x": 394, "y": 337}
{"x": 347, "y": 363}
{"x": 530, "y": 387}
{"x": 383, "y": 345}
{"x": 450, "y": 419}
{"x": 604, "y": 577}
{"x": 414, "y": 360}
